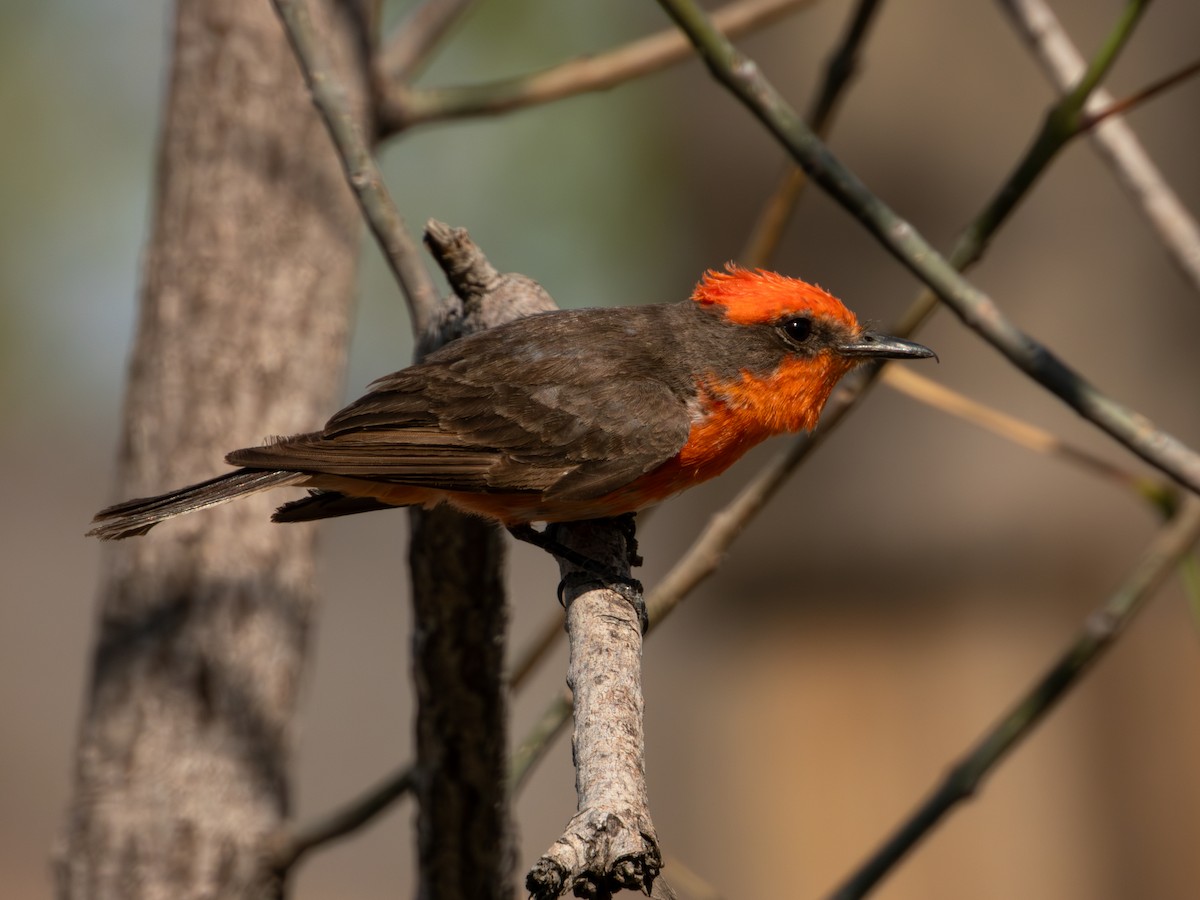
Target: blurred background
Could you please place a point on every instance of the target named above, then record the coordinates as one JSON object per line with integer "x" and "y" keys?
{"x": 914, "y": 577}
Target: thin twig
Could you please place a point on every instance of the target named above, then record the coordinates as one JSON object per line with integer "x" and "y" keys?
{"x": 1116, "y": 141}
{"x": 951, "y": 402}
{"x": 535, "y": 651}
{"x": 839, "y": 71}
{"x": 978, "y": 311}
{"x": 375, "y": 800}
{"x": 552, "y": 722}
{"x": 415, "y": 39}
{"x": 1098, "y": 634}
{"x": 362, "y": 172}
{"x": 292, "y": 845}
{"x": 1137, "y": 98}
{"x": 402, "y": 106}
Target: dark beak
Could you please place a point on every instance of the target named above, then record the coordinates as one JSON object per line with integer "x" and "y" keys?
{"x": 881, "y": 346}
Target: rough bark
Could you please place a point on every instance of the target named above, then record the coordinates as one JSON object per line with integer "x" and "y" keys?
{"x": 611, "y": 844}
{"x": 181, "y": 768}
{"x": 464, "y": 824}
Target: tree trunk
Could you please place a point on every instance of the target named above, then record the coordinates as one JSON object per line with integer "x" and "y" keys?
{"x": 181, "y": 773}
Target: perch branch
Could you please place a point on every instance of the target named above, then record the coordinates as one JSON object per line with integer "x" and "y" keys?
{"x": 610, "y": 844}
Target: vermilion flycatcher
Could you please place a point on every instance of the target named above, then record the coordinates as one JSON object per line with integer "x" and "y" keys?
{"x": 565, "y": 415}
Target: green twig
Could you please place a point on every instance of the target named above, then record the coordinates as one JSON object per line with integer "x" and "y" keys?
{"x": 1168, "y": 217}
{"x": 402, "y": 106}
{"x": 841, "y": 68}
{"x": 1099, "y": 631}
{"x": 530, "y": 751}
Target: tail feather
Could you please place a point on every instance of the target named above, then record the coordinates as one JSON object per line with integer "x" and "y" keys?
{"x": 326, "y": 505}
{"x": 135, "y": 517}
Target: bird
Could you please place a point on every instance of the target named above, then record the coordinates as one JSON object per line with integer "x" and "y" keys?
{"x": 564, "y": 415}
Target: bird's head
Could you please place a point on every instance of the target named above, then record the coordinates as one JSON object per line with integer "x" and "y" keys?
{"x": 802, "y": 340}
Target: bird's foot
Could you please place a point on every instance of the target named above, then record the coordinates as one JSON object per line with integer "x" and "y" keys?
{"x": 628, "y": 525}
{"x": 629, "y": 588}
{"x": 593, "y": 571}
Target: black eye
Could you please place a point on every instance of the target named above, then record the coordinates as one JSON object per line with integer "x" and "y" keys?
{"x": 798, "y": 329}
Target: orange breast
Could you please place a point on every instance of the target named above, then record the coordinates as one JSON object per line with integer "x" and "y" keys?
{"x": 735, "y": 416}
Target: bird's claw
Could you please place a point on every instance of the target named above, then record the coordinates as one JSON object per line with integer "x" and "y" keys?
{"x": 630, "y": 589}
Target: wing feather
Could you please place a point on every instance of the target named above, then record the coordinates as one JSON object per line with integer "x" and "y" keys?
{"x": 502, "y": 415}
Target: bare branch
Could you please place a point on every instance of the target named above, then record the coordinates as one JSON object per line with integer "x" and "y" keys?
{"x": 610, "y": 844}
{"x": 951, "y": 402}
{"x": 839, "y": 72}
{"x": 415, "y": 39}
{"x": 1115, "y": 140}
{"x": 402, "y": 106}
{"x": 292, "y": 846}
{"x": 1099, "y": 631}
{"x": 362, "y": 171}
{"x": 1144, "y": 95}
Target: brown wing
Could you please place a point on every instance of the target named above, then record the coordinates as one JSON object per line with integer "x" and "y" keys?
{"x": 555, "y": 416}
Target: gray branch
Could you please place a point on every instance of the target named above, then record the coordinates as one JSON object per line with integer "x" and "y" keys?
{"x": 611, "y": 843}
